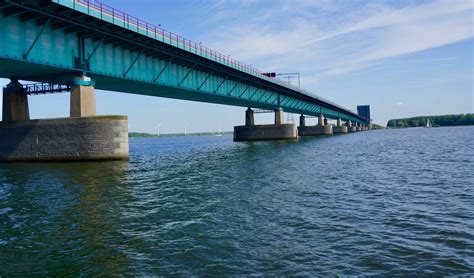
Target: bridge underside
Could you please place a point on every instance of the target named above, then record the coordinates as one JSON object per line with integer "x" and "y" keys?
{"x": 15, "y": 69}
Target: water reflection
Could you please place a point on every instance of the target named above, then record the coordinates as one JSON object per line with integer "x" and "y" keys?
{"x": 75, "y": 209}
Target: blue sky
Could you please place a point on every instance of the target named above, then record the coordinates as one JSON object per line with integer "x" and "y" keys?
{"x": 404, "y": 58}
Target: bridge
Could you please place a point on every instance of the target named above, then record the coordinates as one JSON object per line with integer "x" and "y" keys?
{"x": 83, "y": 45}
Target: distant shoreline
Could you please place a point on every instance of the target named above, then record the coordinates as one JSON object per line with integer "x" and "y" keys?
{"x": 434, "y": 121}
{"x": 149, "y": 135}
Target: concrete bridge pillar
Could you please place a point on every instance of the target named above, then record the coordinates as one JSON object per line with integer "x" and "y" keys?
{"x": 81, "y": 137}
{"x": 277, "y": 131}
{"x": 279, "y": 116}
{"x": 249, "y": 118}
{"x": 82, "y": 97}
{"x": 15, "y": 103}
{"x": 351, "y": 127}
{"x": 302, "y": 121}
{"x": 321, "y": 120}
{"x": 339, "y": 128}
{"x": 322, "y": 128}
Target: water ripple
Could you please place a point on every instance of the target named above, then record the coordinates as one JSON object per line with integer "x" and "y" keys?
{"x": 391, "y": 202}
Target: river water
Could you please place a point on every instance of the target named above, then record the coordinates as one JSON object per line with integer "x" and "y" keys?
{"x": 382, "y": 202}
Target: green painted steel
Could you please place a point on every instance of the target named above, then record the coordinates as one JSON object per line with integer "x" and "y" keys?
{"x": 42, "y": 45}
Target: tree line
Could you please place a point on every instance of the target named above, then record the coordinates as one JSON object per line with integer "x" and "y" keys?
{"x": 443, "y": 120}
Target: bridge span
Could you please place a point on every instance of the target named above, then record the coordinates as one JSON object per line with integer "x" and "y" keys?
{"x": 83, "y": 45}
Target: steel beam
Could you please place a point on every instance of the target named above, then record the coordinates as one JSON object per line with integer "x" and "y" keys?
{"x": 233, "y": 88}
{"x": 243, "y": 92}
{"x": 133, "y": 63}
{"x": 218, "y": 87}
{"x": 27, "y": 52}
{"x": 163, "y": 69}
{"x": 186, "y": 76}
{"x": 205, "y": 79}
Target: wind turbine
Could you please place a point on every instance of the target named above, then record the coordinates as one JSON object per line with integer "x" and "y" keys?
{"x": 158, "y": 135}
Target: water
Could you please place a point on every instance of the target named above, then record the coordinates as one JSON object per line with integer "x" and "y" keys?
{"x": 378, "y": 203}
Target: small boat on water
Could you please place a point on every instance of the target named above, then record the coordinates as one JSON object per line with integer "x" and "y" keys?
{"x": 428, "y": 124}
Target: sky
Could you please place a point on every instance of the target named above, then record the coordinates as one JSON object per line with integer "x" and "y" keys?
{"x": 403, "y": 58}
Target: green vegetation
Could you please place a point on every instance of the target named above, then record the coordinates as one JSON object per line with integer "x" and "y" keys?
{"x": 140, "y": 134}
{"x": 376, "y": 126}
{"x": 445, "y": 120}
{"x": 144, "y": 135}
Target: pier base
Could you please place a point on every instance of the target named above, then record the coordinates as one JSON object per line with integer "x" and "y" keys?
{"x": 65, "y": 139}
{"x": 351, "y": 129}
{"x": 339, "y": 129}
{"x": 315, "y": 130}
{"x": 265, "y": 132}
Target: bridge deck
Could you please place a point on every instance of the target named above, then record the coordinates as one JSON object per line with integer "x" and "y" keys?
{"x": 48, "y": 40}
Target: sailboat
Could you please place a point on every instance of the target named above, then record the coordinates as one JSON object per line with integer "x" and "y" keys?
{"x": 428, "y": 124}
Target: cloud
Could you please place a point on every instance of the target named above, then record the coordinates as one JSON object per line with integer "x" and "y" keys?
{"x": 399, "y": 103}
{"x": 331, "y": 37}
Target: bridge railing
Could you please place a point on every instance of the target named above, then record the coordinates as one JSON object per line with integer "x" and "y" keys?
{"x": 191, "y": 46}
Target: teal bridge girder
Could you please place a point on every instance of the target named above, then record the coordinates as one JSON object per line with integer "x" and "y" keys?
{"x": 53, "y": 40}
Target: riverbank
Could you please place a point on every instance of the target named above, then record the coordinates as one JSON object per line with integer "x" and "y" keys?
{"x": 434, "y": 121}
{"x": 146, "y": 135}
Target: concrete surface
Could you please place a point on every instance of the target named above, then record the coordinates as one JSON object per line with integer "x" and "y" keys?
{"x": 71, "y": 139}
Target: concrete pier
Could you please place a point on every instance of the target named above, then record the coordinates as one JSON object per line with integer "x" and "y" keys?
{"x": 82, "y": 97}
{"x": 15, "y": 103}
{"x": 339, "y": 128}
{"x": 65, "y": 139}
{"x": 277, "y": 131}
{"x": 83, "y": 136}
{"x": 315, "y": 130}
{"x": 350, "y": 127}
{"x": 304, "y": 130}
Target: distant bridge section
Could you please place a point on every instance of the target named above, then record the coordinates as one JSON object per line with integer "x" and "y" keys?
{"x": 51, "y": 40}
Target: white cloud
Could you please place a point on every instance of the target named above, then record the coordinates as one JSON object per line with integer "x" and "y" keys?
{"x": 333, "y": 38}
{"x": 399, "y": 103}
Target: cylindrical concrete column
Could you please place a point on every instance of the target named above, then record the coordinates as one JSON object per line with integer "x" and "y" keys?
{"x": 15, "y": 103}
{"x": 249, "y": 118}
{"x": 338, "y": 121}
{"x": 349, "y": 123}
{"x": 278, "y": 116}
{"x": 302, "y": 120}
{"x": 320, "y": 120}
{"x": 82, "y": 97}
